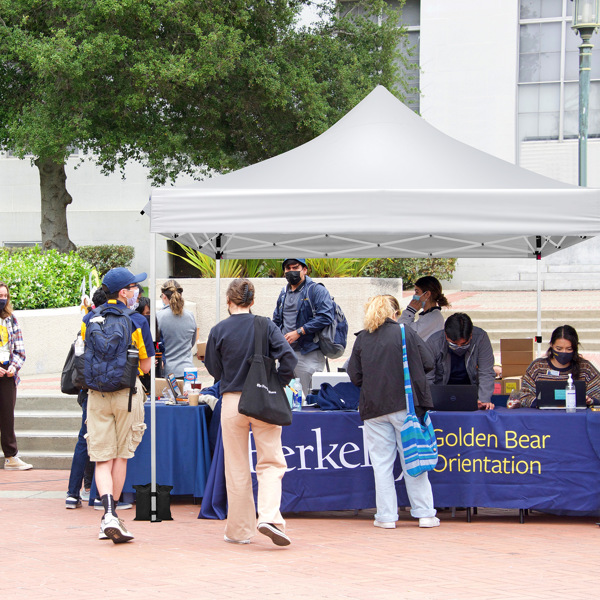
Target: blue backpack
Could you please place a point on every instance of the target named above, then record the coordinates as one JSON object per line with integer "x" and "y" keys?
{"x": 107, "y": 340}
{"x": 332, "y": 339}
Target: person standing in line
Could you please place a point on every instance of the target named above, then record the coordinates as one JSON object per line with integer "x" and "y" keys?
{"x": 229, "y": 349}
{"x": 300, "y": 325}
{"x": 430, "y": 299}
{"x": 115, "y": 421}
{"x": 12, "y": 357}
{"x": 376, "y": 367}
{"x": 178, "y": 330}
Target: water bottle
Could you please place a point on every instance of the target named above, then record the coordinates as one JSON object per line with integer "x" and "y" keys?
{"x": 79, "y": 346}
{"x": 570, "y": 395}
{"x": 296, "y": 394}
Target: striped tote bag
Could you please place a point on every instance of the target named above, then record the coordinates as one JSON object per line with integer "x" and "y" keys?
{"x": 418, "y": 441}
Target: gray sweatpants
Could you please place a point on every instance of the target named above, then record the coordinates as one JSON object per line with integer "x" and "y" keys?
{"x": 307, "y": 365}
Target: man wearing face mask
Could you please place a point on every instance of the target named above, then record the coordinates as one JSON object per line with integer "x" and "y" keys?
{"x": 115, "y": 420}
{"x": 303, "y": 309}
{"x": 463, "y": 356}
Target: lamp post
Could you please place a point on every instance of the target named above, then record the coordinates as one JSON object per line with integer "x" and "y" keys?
{"x": 585, "y": 22}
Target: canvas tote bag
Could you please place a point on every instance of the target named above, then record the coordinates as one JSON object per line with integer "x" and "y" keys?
{"x": 263, "y": 396}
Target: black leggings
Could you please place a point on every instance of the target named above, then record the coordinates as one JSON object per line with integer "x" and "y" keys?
{"x": 8, "y": 399}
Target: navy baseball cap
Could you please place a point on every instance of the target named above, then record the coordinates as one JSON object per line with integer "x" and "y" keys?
{"x": 302, "y": 261}
{"x": 119, "y": 278}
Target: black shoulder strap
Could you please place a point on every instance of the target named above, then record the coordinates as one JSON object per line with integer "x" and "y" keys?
{"x": 261, "y": 345}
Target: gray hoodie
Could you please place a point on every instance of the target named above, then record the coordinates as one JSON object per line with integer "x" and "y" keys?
{"x": 479, "y": 361}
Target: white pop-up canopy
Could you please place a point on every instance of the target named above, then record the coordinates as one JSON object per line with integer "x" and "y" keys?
{"x": 381, "y": 182}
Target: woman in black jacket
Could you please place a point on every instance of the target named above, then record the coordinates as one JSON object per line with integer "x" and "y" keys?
{"x": 376, "y": 367}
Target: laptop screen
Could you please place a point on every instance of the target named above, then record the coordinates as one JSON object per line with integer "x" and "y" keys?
{"x": 454, "y": 397}
{"x": 552, "y": 394}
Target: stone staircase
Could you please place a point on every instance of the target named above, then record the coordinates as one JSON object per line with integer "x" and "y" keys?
{"x": 521, "y": 324}
{"x": 47, "y": 427}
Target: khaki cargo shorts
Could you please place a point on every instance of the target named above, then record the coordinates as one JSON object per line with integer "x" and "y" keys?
{"x": 112, "y": 431}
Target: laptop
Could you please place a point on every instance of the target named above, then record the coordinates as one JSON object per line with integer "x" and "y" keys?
{"x": 552, "y": 395}
{"x": 454, "y": 397}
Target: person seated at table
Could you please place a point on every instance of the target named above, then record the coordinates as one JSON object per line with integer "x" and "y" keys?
{"x": 178, "y": 330}
{"x": 428, "y": 297}
{"x": 464, "y": 356}
{"x": 562, "y": 358}
{"x": 373, "y": 367}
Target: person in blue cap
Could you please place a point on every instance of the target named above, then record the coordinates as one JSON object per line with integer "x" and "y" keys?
{"x": 303, "y": 309}
{"x": 115, "y": 420}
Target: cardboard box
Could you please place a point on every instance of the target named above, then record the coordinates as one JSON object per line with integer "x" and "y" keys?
{"x": 201, "y": 349}
{"x": 517, "y": 357}
{"x": 517, "y": 345}
{"x": 514, "y": 370}
{"x": 161, "y": 384}
{"x": 511, "y": 384}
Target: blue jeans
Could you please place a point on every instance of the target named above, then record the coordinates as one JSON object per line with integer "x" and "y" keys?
{"x": 384, "y": 443}
{"x": 80, "y": 457}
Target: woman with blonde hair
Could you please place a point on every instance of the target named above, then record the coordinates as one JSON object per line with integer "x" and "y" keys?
{"x": 229, "y": 351}
{"x": 376, "y": 367}
{"x": 177, "y": 329}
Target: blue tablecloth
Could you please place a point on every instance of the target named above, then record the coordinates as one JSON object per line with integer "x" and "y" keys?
{"x": 526, "y": 458}
{"x": 182, "y": 451}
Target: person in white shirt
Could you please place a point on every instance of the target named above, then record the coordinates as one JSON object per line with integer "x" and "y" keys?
{"x": 430, "y": 299}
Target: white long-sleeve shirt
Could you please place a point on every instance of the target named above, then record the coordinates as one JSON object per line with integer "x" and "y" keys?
{"x": 428, "y": 322}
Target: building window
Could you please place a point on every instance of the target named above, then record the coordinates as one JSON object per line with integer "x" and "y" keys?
{"x": 411, "y": 17}
{"x": 549, "y": 73}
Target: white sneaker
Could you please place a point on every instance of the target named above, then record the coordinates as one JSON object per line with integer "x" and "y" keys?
{"x": 102, "y": 535}
{"x": 235, "y": 541}
{"x": 385, "y": 524}
{"x": 429, "y": 522}
{"x": 14, "y": 463}
{"x": 115, "y": 529}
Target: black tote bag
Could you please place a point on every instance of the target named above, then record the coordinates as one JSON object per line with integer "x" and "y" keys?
{"x": 263, "y": 396}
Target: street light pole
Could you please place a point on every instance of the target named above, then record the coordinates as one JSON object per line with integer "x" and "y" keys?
{"x": 585, "y": 22}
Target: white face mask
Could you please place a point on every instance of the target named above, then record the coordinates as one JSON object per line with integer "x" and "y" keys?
{"x": 133, "y": 301}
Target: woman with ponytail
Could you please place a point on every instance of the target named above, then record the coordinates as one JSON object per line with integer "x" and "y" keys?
{"x": 430, "y": 300}
{"x": 178, "y": 330}
{"x": 229, "y": 350}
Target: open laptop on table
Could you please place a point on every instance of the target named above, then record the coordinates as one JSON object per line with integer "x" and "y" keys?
{"x": 454, "y": 397}
{"x": 552, "y": 394}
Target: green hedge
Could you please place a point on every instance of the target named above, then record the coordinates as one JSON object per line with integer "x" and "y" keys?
{"x": 411, "y": 269}
{"x": 39, "y": 279}
{"x": 104, "y": 258}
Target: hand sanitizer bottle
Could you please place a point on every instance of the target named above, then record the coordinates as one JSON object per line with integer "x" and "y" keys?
{"x": 570, "y": 395}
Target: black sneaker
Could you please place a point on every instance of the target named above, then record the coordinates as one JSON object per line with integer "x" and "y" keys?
{"x": 72, "y": 502}
{"x": 277, "y": 536}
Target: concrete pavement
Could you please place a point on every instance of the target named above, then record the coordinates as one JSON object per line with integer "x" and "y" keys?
{"x": 51, "y": 552}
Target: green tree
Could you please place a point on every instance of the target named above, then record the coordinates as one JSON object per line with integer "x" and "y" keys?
{"x": 182, "y": 86}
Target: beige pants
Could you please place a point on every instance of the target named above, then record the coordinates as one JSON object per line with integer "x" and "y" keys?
{"x": 270, "y": 468}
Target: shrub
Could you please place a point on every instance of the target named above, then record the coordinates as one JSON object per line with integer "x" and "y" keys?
{"x": 39, "y": 279}
{"x": 410, "y": 269}
{"x": 106, "y": 257}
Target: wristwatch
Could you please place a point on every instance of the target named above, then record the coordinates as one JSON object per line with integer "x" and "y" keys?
{"x": 299, "y": 331}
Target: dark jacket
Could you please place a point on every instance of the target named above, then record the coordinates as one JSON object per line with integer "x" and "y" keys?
{"x": 230, "y": 346}
{"x": 479, "y": 362}
{"x": 324, "y": 313}
{"x": 376, "y": 367}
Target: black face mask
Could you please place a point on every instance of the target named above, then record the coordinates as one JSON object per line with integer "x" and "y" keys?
{"x": 3, "y": 303}
{"x": 564, "y": 358}
{"x": 293, "y": 277}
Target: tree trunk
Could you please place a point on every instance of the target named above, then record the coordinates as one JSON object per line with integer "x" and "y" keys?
{"x": 55, "y": 199}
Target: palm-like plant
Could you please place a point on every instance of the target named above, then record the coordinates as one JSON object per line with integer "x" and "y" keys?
{"x": 230, "y": 268}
